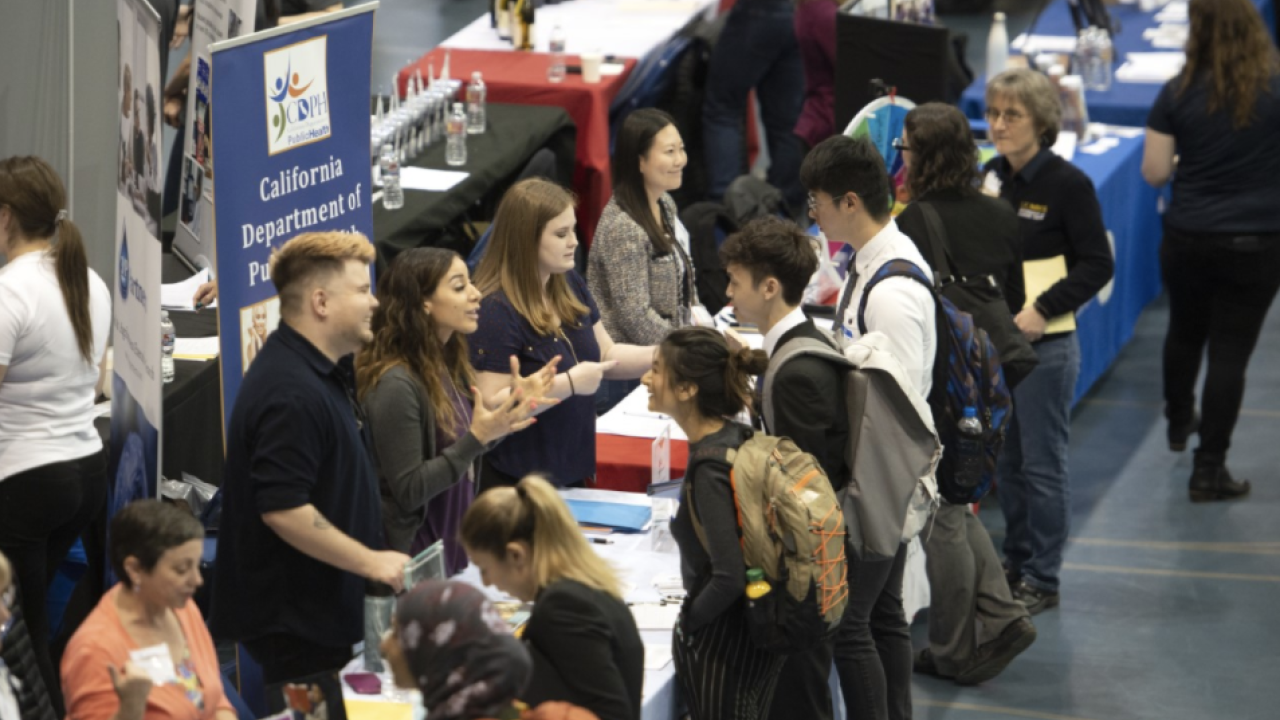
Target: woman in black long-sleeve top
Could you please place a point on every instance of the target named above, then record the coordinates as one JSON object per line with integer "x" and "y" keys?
{"x": 582, "y": 637}
{"x": 700, "y": 383}
{"x": 1221, "y": 253}
{"x": 1059, "y": 221}
{"x": 975, "y": 626}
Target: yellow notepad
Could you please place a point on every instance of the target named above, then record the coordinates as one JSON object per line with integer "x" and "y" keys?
{"x": 1040, "y": 275}
{"x": 375, "y": 710}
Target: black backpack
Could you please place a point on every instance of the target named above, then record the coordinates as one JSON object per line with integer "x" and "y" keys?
{"x": 708, "y": 224}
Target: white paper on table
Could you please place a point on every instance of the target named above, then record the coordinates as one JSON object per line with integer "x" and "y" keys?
{"x": 1174, "y": 12}
{"x": 1101, "y": 146}
{"x": 656, "y": 657}
{"x": 177, "y": 296}
{"x": 609, "y": 69}
{"x": 1150, "y": 67}
{"x": 201, "y": 348}
{"x": 632, "y": 418}
{"x": 418, "y": 178}
{"x": 1100, "y": 130}
{"x": 654, "y": 616}
{"x": 1065, "y": 147}
{"x": 1044, "y": 44}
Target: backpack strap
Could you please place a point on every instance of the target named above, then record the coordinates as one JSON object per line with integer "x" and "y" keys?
{"x": 894, "y": 268}
{"x": 939, "y": 255}
{"x": 707, "y": 454}
{"x": 792, "y": 349}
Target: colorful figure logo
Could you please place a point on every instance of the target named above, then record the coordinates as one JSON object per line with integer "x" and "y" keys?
{"x": 280, "y": 89}
{"x": 297, "y": 96}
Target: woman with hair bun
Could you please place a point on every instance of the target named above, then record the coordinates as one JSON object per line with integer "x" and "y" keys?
{"x": 702, "y": 384}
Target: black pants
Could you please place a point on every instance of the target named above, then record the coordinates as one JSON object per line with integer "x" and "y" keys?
{"x": 42, "y": 512}
{"x": 803, "y": 688}
{"x": 1220, "y": 288}
{"x": 873, "y": 645}
{"x": 297, "y": 673}
{"x": 722, "y": 673}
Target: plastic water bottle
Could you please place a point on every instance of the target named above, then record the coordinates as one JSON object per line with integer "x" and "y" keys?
{"x": 392, "y": 193}
{"x": 556, "y": 43}
{"x": 455, "y": 153}
{"x": 167, "y": 340}
{"x": 475, "y": 105}
{"x": 1103, "y": 53}
{"x": 997, "y": 47}
{"x": 970, "y": 450}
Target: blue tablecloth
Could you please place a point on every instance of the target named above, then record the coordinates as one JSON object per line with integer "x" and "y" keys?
{"x": 1106, "y": 322}
{"x": 1124, "y": 103}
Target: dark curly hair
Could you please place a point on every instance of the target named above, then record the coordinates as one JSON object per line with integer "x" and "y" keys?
{"x": 943, "y": 153}
{"x": 404, "y": 334}
{"x": 700, "y": 356}
{"x": 1230, "y": 45}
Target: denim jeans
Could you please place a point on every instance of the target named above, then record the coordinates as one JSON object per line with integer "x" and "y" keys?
{"x": 757, "y": 49}
{"x": 1034, "y": 490}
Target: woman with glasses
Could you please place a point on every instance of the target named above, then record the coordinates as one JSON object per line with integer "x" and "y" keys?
{"x": 975, "y": 626}
{"x": 1220, "y": 259}
{"x": 1067, "y": 260}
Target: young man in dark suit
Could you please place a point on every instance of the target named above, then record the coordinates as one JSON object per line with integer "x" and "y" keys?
{"x": 769, "y": 263}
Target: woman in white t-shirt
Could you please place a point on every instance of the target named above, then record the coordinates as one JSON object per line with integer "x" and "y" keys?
{"x": 54, "y": 317}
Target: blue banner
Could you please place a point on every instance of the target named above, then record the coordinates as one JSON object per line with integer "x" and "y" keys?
{"x": 291, "y": 148}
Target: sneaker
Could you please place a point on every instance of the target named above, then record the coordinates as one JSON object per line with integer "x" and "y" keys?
{"x": 925, "y": 664}
{"x": 1034, "y": 599}
{"x": 991, "y": 659}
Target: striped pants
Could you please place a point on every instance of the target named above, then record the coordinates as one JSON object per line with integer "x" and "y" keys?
{"x": 723, "y": 674}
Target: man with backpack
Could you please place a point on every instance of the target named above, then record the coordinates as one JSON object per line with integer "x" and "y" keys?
{"x": 849, "y": 198}
{"x": 769, "y": 263}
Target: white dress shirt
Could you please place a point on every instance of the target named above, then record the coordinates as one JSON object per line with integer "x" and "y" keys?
{"x": 900, "y": 307}
{"x": 788, "y": 321}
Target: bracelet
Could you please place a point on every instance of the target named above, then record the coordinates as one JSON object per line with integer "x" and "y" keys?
{"x": 572, "y": 390}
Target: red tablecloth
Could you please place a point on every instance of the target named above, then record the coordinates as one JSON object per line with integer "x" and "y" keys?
{"x": 521, "y": 78}
{"x": 622, "y": 463}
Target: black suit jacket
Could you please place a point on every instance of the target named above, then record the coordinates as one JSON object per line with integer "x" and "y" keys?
{"x": 982, "y": 235}
{"x": 809, "y": 406}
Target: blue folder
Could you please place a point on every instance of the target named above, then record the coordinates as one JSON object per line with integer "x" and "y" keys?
{"x": 620, "y": 517}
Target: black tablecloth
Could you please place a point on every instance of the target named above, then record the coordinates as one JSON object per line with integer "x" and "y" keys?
{"x": 513, "y": 134}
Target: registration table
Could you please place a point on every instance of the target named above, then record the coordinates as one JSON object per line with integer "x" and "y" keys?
{"x": 513, "y": 134}
{"x": 1126, "y": 103}
{"x": 626, "y": 29}
{"x": 642, "y": 558}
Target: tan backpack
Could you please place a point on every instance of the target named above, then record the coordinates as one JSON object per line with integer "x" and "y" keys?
{"x": 790, "y": 526}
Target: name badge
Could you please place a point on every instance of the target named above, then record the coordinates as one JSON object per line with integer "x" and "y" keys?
{"x": 1032, "y": 211}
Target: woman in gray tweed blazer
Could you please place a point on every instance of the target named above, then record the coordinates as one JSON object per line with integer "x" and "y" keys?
{"x": 639, "y": 269}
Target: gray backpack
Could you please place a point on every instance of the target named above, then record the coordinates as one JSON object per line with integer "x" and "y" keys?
{"x": 889, "y": 450}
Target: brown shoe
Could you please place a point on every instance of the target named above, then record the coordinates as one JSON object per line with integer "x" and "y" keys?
{"x": 991, "y": 659}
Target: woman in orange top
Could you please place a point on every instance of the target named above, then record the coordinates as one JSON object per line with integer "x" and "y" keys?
{"x": 155, "y": 551}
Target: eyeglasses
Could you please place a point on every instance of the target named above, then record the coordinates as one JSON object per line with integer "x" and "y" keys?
{"x": 813, "y": 202}
{"x": 1011, "y": 117}
{"x": 900, "y": 145}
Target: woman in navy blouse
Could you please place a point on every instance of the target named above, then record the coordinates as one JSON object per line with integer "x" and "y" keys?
{"x": 536, "y": 307}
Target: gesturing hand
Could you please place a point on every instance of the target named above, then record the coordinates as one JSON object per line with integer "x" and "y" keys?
{"x": 132, "y": 685}
{"x": 511, "y": 415}
{"x": 587, "y": 375}
{"x": 536, "y": 386}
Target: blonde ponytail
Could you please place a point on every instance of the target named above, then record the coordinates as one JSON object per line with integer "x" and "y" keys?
{"x": 533, "y": 512}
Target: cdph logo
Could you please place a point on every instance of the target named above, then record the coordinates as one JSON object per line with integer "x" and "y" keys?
{"x": 129, "y": 285}
{"x": 297, "y": 94}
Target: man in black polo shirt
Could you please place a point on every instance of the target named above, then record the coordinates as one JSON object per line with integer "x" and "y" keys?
{"x": 769, "y": 264}
{"x": 301, "y": 514}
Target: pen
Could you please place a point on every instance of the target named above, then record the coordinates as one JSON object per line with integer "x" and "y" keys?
{"x": 600, "y": 540}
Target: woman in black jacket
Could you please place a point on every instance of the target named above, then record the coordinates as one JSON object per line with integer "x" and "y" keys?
{"x": 1221, "y": 254}
{"x": 701, "y": 384}
{"x": 975, "y": 626}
